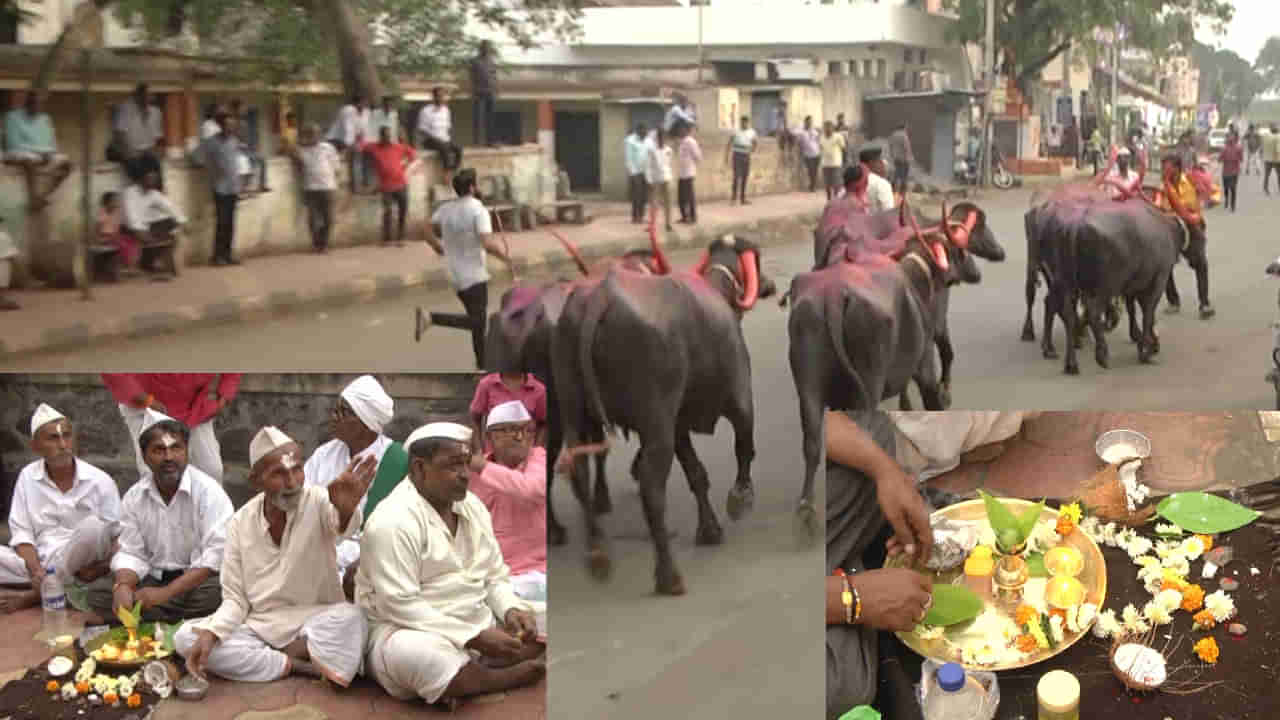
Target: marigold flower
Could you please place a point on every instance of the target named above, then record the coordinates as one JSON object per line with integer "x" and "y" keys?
{"x": 1025, "y": 614}
{"x": 1065, "y": 526}
{"x": 1026, "y": 643}
{"x": 110, "y": 698}
{"x": 82, "y": 688}
{"x": 1204, "y": 620}
{"x": 135, "y": 700}
{"x": 1207, "y": 650}
{"x": 51, "y": 686}
{"x": 1208, "y": 542}
{"x": 1192, "y": 598}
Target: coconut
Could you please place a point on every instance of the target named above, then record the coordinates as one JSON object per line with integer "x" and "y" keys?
{"x": 1139, "y": 666}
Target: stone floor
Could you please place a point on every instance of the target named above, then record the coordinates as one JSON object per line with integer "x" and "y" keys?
{"x": 290, "y": 699}
{"x": 1190, "y": 451}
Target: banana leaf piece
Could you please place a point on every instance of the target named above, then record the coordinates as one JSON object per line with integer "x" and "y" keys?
{"x": 952, "y": 604}
{"x": 1204, "y": 513}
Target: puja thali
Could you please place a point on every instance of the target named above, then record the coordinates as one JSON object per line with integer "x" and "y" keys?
{"x": 114, "y": 650}
{"x": 948, "y": 647}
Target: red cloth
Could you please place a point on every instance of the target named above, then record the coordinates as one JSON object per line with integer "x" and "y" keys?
{"x": 517, "y": 502}
{"x": 389, "y": 160}
{"x": 1232, "y": 157}
{"x": 185, "y": 396}
{"x": 491, "y": 392}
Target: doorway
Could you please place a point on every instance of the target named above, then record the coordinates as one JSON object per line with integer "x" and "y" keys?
{"x": 578, "y": 149}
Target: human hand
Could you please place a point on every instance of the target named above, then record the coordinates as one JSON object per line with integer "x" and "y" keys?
{"x": 151, "y": 597}
{"x": 199, "y": 657}
{"x": 37, "y": 574}
{"x": 346, "y": 492}
{"x": 496, "y": 643}
{"x": 904, "y": 508}
{"x": 892, "y": 599}
{"x": 122, "y": 597}
{"x": 522, "y": 625}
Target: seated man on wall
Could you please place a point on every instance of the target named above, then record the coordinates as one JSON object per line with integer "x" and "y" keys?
{"x": 359, "y": 416}
{"x": 282, "y": 608}
{"x": 64, "y": 516}
{"x": 29, "y": 143}
{"x": 174, "y": 528}
{"x": 444, "y": 621}
{"x": 512, "y": 483}
{"x": 150, "y": 216}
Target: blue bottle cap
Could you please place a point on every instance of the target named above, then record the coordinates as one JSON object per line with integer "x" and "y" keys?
{"x": 49, "y": 570}
{"x": 951, "y": 677}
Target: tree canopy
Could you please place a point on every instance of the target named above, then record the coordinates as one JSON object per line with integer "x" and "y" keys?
{"x": 1226, "y": 79}
{"x": 1029, "y": 34}
{"x": 1268, "y": 64}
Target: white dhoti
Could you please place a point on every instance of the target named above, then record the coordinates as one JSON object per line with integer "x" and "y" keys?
{"x": 90, "y": 543}
{"x": 348, "y": 555}
{"x": 409, "y": 663}
{"x": 931, "y": 443}
{"x": 203, "y": 450}
{"x": 531, "y": 585}
{"x": 335, "y": 641}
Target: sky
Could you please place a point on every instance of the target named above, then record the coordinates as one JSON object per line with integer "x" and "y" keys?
{"x": 1254, "y": 22}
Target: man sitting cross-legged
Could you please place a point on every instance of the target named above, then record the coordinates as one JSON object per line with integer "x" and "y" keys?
{"x": 64, "y": 515}
{"x": 173, "y": 527}
{"x": 282, "y": 607}
{"x": 444, "y": 621}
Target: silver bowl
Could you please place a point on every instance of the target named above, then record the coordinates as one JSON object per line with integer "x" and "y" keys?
{"x": 191, "y": 687}
{"x": 1133, "y": 439}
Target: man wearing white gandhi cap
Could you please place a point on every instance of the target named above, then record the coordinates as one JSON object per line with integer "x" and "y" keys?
{"x": 64, "y": 517}
{"x": 360, "y": 415}
{"x": 442, "y": 612}
{"x": 282, "y": 608}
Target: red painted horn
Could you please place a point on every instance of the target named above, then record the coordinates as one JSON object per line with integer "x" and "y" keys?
{"x": 946, "y": 224}
{"x": 659, "y": 257}
{"x": 571, "y": 249}
{"x": 750, "y": 280}
{"x": 703, "y": 262}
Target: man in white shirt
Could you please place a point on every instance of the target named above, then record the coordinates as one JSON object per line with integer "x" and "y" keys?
{"x": 658, "y": 174}
{"x": 138, "y": 131}
{"x": 810, "y": 142}
{"x": 281, "y": 613}
{"x": 879, "y": 189}
{"x": 349, "y": 130}
{"x": 690, "y": 157}
{"x": 319, "y": 162}
{"x": 435, "y": 128}
{"x": 741, "y": 144}
{"x": 359, "y": 416}
{"x": 679, "y": 117}
{"x": 463, "y": 233}
{"x": 173, "y": 528}
{"x": 1121, "y": 181}
{"x": 635, "y": 150}
{"x": 149, "y": 215}
{"x": 65, "y": 515}
{"x": 442, "y": 612}
{"x": 210, "y": 126}
{"x": 386, "y": 116}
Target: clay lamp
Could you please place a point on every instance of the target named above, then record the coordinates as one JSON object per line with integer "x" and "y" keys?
{"x": 1063, "y": 592}
{"x": 1064, "y": 560}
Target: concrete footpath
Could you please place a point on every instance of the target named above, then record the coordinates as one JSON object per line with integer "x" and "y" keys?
{"x": 61, "y": 319}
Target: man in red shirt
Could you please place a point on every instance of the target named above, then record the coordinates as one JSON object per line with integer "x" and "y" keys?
{"x": 190, "y": 398}
{"x": 495, "y": 389}
{"x": 392, "y": 161}
{"x": 1232, "y": 158}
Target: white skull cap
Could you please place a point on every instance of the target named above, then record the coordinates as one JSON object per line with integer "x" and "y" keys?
{"x": 446, "y": 430}
{"x": 508, "y": 413}
{"x": 268, "y": 440}
{"x": 151, "y": 417}
{"x": 43, "y": 416}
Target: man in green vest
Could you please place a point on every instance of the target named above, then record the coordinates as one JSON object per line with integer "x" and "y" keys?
{"x": 360, "y": 415}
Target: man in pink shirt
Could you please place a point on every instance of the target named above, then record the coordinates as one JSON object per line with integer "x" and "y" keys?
{"x": 190, "y": 398}
{"x": 495, "y": 389}
{"x": 511, "y": 481}
{"x": 690, "y": 157}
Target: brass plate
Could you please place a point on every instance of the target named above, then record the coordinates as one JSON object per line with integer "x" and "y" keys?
{"x": 1094, "y": 577}
{"x": 118, "y": 665}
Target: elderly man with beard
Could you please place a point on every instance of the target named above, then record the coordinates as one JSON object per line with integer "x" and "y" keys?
{"x": 278, "y": 615}
{"x": 174, "y": 526}
{"x": 444, "y": 621}
{"x": 512, "y": 484}
{"x": 359, "y": 416}
{"x": 64, "y": 515}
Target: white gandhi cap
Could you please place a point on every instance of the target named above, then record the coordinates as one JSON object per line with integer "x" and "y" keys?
{"x": 268, "y": 440}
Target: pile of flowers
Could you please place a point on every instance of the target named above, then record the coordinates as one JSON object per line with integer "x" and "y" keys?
{"x": 98, "y": 688}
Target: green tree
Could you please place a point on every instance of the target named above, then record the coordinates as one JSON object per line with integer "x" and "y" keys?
{"x": 278, "y": 40}
{"x": 1226, "y": 79}
{"x": 1268, "y": 64}
{"x": 1029, "y": 34}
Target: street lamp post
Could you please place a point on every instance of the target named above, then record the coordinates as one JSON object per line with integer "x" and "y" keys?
{"x": 989, "y": 63}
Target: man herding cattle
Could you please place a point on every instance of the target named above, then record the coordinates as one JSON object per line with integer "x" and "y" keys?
{"x": 1180, "y": 196}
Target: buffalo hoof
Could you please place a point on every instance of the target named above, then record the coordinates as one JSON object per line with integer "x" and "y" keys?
{"x": 709, "y": 534}
{"x": 602, "y": 503}
{"x": 1028, "y": 335}
{"x": 944, "y": 396}
{"x": 1102, "y": 356}
{"x": 599, "y": 564}
{"x": 1071, "y": 369}
{"x": 668, "y": 582}
{"x": 741, "y": 499}
{"x": 1146, "y": 357}
{"x": 1172, "y": 309}
{"x": 1207, "y": 311}
{"x": 1050, "y": 353}
{"x": 805, "y": 525}
{"x": 556, "y": 535}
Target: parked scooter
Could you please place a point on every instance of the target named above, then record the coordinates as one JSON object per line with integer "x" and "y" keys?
{"x": 1273, "y": 375}
{"x": 967, "y": 171}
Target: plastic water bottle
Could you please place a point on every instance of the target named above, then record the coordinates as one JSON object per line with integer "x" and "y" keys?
{"x": 953, "y": 696}
{"x": 54, "y": 599}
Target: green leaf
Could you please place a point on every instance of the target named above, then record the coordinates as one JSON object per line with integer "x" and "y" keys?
{"x": 1048, "y": 631}
{"x": 1002, "y": 521}
{"x": 1027, "y": 521}
{"x": 952, "y": 604}
{"x": 1035, "y": 565}
{"x": 1204, "y": 513}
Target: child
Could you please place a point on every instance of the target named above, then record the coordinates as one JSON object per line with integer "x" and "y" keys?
{"x": 497, "y": 388}
{"x": 111, "y": 230}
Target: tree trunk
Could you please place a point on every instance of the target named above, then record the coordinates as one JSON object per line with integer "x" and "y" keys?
{"x": 71, "y": 39}
{"x": 355, "y": 56}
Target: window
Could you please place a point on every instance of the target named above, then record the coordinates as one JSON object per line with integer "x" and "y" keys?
{"x": 880, "y": 68}
{"x": 906, "y": 56}
{"x": 866, "y": 69}
{"x": 834, "y": 68}
{"x": 923, "y": 57}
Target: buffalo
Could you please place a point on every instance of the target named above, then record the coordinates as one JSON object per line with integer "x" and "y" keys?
{"x": 662, "y": 356}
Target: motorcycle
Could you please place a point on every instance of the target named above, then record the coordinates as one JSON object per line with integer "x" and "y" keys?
{"x": 967, "y": 170}
{"x": 1273, "y": 375}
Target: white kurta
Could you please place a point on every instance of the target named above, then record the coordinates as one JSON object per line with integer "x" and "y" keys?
{"x": 273, "y": 593}
{"x": 427, "y": 593}
{"x": 187, "y": 533}
{"x": 53, "y": 521}
{"x": 324, "y": 466}
{"x": 930, "y": 444}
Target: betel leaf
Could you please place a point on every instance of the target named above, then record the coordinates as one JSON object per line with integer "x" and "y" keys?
{"x": 952, "y": 604}
{"x": 1028, "y": 519}
{"x": 1035, "y": 565}
{"x": 1204, "y": 513}
{"x": 1003, "y": 522}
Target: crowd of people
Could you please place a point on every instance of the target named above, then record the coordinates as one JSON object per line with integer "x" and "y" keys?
{"x": 421, "y": 563}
